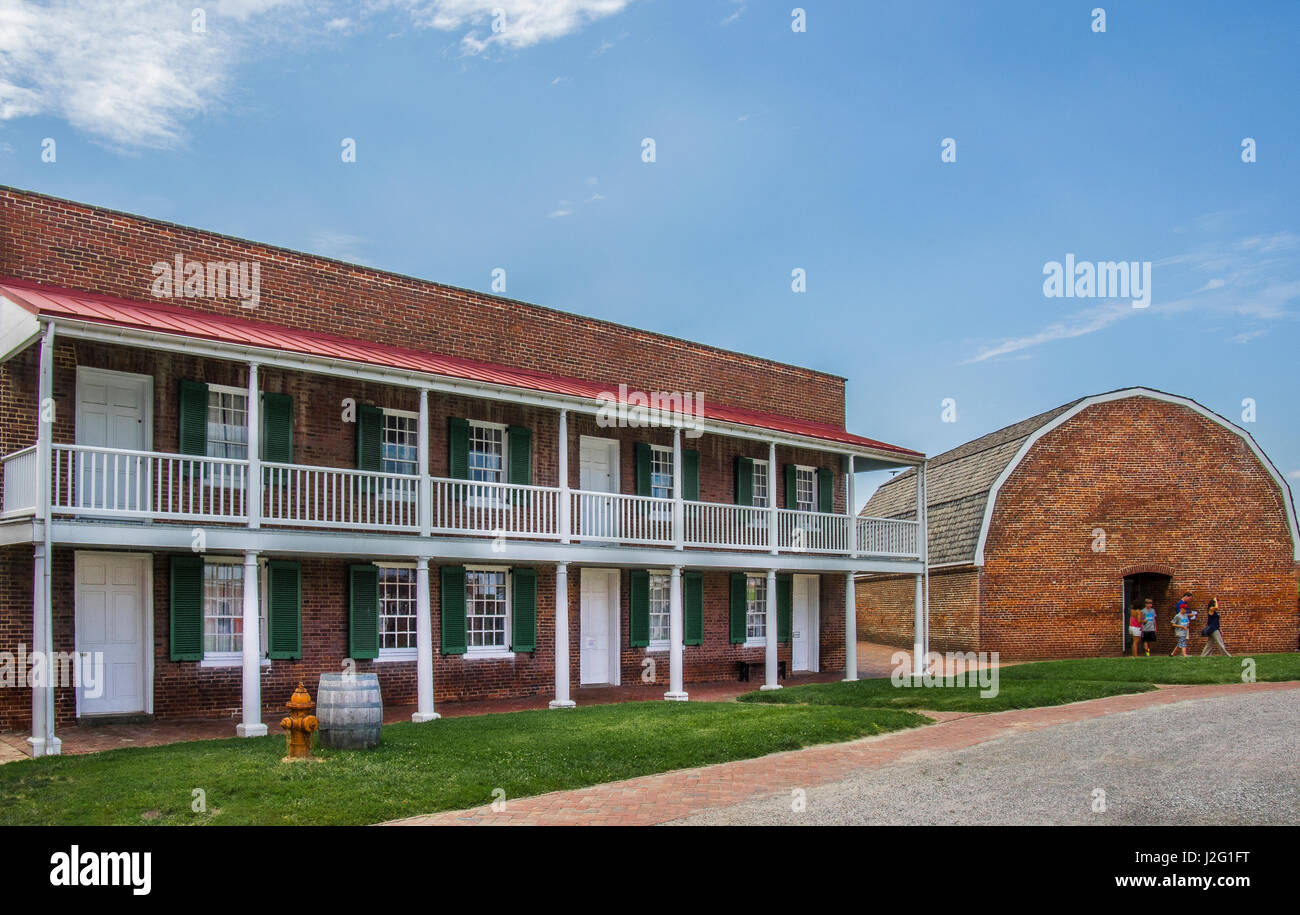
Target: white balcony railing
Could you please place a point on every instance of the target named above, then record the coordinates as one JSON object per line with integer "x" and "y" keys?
{"x": 495, "y": 509}
{"x": 621, "y": 518}
{"x": 298, "y": 495}
{"x": 811, "y": 532}
{"x": 103, "y": 482}
{"x": 717, "y": 524}
{"x": 19, "y": 482}
{"x": 108, "y": 482}
{"x": 887, "y": 537}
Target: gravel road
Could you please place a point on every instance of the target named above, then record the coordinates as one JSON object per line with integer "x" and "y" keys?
{"x": 1221, "y": 761}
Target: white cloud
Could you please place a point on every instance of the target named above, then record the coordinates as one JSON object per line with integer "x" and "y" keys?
{"x": 129, "y": 74}
{"x": 561, "y": 211}
{"x": 525, "y": 23}
{"x": 1294, "y": 474}
{"x": 735, "y": 14}
{"x": 1078, "y": 324}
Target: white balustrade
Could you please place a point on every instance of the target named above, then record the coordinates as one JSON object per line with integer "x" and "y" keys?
{"x": 297, "y": 495}
{"x": 620, "y": 518}
{"x": 718, "y": 524}
{"x": 19, "y": 482}
{"x": 109, "y": 482}
{"x": 495, "y": 509}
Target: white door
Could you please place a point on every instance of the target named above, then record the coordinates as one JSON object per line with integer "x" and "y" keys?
{"x": 113, "y": 412}
{"x": 597, "y": 634}
{"x": 111, "y": 626}
{"x": 598, "y": 464}
{"x": 804, "y": 622}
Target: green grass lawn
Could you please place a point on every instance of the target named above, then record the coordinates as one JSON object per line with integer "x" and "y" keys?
{"x": 444, "y": 765}
{"x": 1037, "y": 684}
{"x": 1160, "y": 669}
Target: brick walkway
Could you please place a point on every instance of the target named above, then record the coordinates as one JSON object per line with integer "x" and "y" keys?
{"x": 655, "y": 799}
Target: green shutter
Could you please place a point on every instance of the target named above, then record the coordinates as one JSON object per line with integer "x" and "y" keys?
{"x": 284, "y": 610}
{"x": 193, "y": 415}
{"x": 187, "y": 608}
{"x": 277, "y": 428}
{"x": 784, "y": 601}
{"x": 825, "y": 490}
{"x": 739, "y": 592}
{"x": 744, "y": 480}
{"x": 370, "y": 431}
{"x": 520, "y": 448}
{"x": 363, "y": 626}
{"x": 452, "y": 609}
{"x": 791, "y": 486}
{"x": 693, "y": 609}
{"x": 524, "y": 598}
{"x": 457, "y": 448}
{"x": 691, "y": 476}
{"x": 638, "y": 629}
{"x": 642, "y": 469}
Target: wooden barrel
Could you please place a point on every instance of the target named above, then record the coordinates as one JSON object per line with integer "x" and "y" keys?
{"x": 350, "y": 710}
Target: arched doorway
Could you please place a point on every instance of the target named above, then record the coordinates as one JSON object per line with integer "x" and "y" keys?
{"x": 1137, "y": 588}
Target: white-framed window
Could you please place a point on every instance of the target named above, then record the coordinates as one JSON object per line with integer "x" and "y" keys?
{"x": 400, "y": 442}
{"x": 760, "y": 484}
{"x": 487, "y": 609}
{"x": 805, "y": 489}
{"x": 223, "y": 610}
{"x": 756, "y": 609}
{"x": 397, "y": 611}
{"x": 661, "y": 472}
{"x": 660, "y": 615}
{"x": 227, "y": 422}
{"x": 487, "y": 452}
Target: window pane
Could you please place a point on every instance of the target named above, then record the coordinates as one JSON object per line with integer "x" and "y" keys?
{"x": 756, "y": 607}
{"x": 486, "y": 453}
{"x": 806, "y": 489}
{"x": 660, "y": 621}
{"x": 223, "y": 607}
{"x": 227, "y": 424}
{"x": 485, "y": 609}
{"x": 397, "y": 608}
{"x": 661, "y": 473}
{"x": 760, "y": 484}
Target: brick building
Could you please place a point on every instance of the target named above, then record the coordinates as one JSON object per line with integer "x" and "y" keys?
{"x": 1040, "y": 534}
{"x": 218, "y": 500}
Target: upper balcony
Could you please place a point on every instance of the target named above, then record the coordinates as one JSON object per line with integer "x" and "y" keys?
{"x": 93, "y": 482}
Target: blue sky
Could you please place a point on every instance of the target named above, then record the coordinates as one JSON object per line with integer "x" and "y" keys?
{"x": 775, "y": 150}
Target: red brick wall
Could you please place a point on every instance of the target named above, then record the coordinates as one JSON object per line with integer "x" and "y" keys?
{"x": 886, "y": 610}
{"x": 1172, "y": 490}
{"x": 187, "y": 689}
{"x": 52, "y": 241}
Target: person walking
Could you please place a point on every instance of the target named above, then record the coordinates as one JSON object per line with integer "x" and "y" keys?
{"x": 1181, "y": 622}
{"x": 1213, "y": 634}
{"x": 1148, "y": 625}
{"x": 1135, "y": 628}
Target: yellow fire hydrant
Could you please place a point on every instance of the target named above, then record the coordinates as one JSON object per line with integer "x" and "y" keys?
{"x": 299, "y": 725}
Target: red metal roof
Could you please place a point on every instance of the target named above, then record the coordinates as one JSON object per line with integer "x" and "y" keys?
{"x": 169, "y": 319}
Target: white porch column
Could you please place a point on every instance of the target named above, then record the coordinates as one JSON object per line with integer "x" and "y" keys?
{"x": 251, "y": 725}
{"x": 850, "y": 628}
{"x": 425, "y": 491}
{"x": 43, "y": 742}
{"x": 771, "y": 497}
{"x": 423, "y": 638}
{"x": 562, "y": 454}
{"x": 679, "y": 506}
{"x": 562, "y": 699}
{"x": 918, "y": 627}
{"x": 770, "y": 679}
{"x": 676, "y": 638}
{"x": 254, "y": 450}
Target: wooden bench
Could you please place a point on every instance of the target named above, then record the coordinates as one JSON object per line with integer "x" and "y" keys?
{"x": 744, "y": 669}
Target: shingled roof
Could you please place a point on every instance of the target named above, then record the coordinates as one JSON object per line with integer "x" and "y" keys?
{"x": 959, "y": 482}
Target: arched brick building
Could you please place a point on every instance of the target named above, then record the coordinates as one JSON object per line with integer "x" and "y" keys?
{"x": 1040, "y": 533}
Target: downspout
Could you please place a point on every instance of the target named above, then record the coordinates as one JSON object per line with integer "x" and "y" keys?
{"x": 925, "y": 546}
